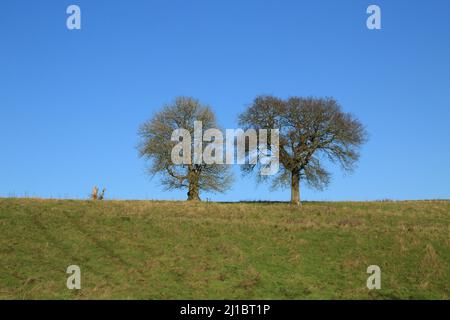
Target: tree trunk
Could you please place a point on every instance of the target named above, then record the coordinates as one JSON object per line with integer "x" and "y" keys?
{"x": 295, "y": 187}
{"x": 193, "y": 194}
{"x": 194, "y": 190}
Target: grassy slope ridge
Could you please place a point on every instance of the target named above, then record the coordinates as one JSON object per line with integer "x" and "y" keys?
{"x": 178, "y": 250}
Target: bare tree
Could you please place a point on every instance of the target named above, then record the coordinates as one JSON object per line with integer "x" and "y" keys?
{"x": 156, "y": 145}
{"x": 312, "y": 131}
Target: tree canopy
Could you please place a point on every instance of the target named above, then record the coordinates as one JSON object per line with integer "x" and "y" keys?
{"x": 156, "y": 145}
{"x": 312, "y": 130}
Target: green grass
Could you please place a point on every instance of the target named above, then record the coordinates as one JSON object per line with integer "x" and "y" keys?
{"x": 179, "y": 250}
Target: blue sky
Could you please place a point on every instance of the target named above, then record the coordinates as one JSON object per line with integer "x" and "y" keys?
{"x": 71, "y": 102}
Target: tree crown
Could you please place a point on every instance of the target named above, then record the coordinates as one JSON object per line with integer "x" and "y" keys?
{"x": 312, "y": 130}
{"x": 156, "y": 145}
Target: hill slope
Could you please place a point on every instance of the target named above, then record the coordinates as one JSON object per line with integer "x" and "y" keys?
{"x": 177, "y": 250}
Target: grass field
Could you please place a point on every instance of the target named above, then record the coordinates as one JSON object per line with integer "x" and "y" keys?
{"x": 179, "y": 250}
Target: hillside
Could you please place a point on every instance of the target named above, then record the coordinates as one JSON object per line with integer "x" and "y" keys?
{"x": 179, "y": 250}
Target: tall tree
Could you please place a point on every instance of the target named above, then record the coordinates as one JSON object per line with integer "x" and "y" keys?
{"x": 157, "y": 146}
{"x": 312, "y": 131}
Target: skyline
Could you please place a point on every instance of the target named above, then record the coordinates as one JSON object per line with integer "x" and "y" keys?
{"x": 71, "y": 101}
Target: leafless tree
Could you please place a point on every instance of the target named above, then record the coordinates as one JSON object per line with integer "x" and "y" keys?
{"x": 312, "y": 131}
{"x": 156, "y": 146}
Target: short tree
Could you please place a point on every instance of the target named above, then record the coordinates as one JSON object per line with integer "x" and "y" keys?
{"x": 156, "y": 145}
{"x": 312, "y": 130}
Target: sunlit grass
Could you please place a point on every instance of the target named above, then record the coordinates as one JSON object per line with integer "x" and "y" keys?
{"x": 180, "y": 250}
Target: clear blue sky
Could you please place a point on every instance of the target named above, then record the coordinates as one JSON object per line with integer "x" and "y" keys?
{"x": 71, "y": 101}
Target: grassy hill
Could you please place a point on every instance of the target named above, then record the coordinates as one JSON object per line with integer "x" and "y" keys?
{"x": 178, "y": 250}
